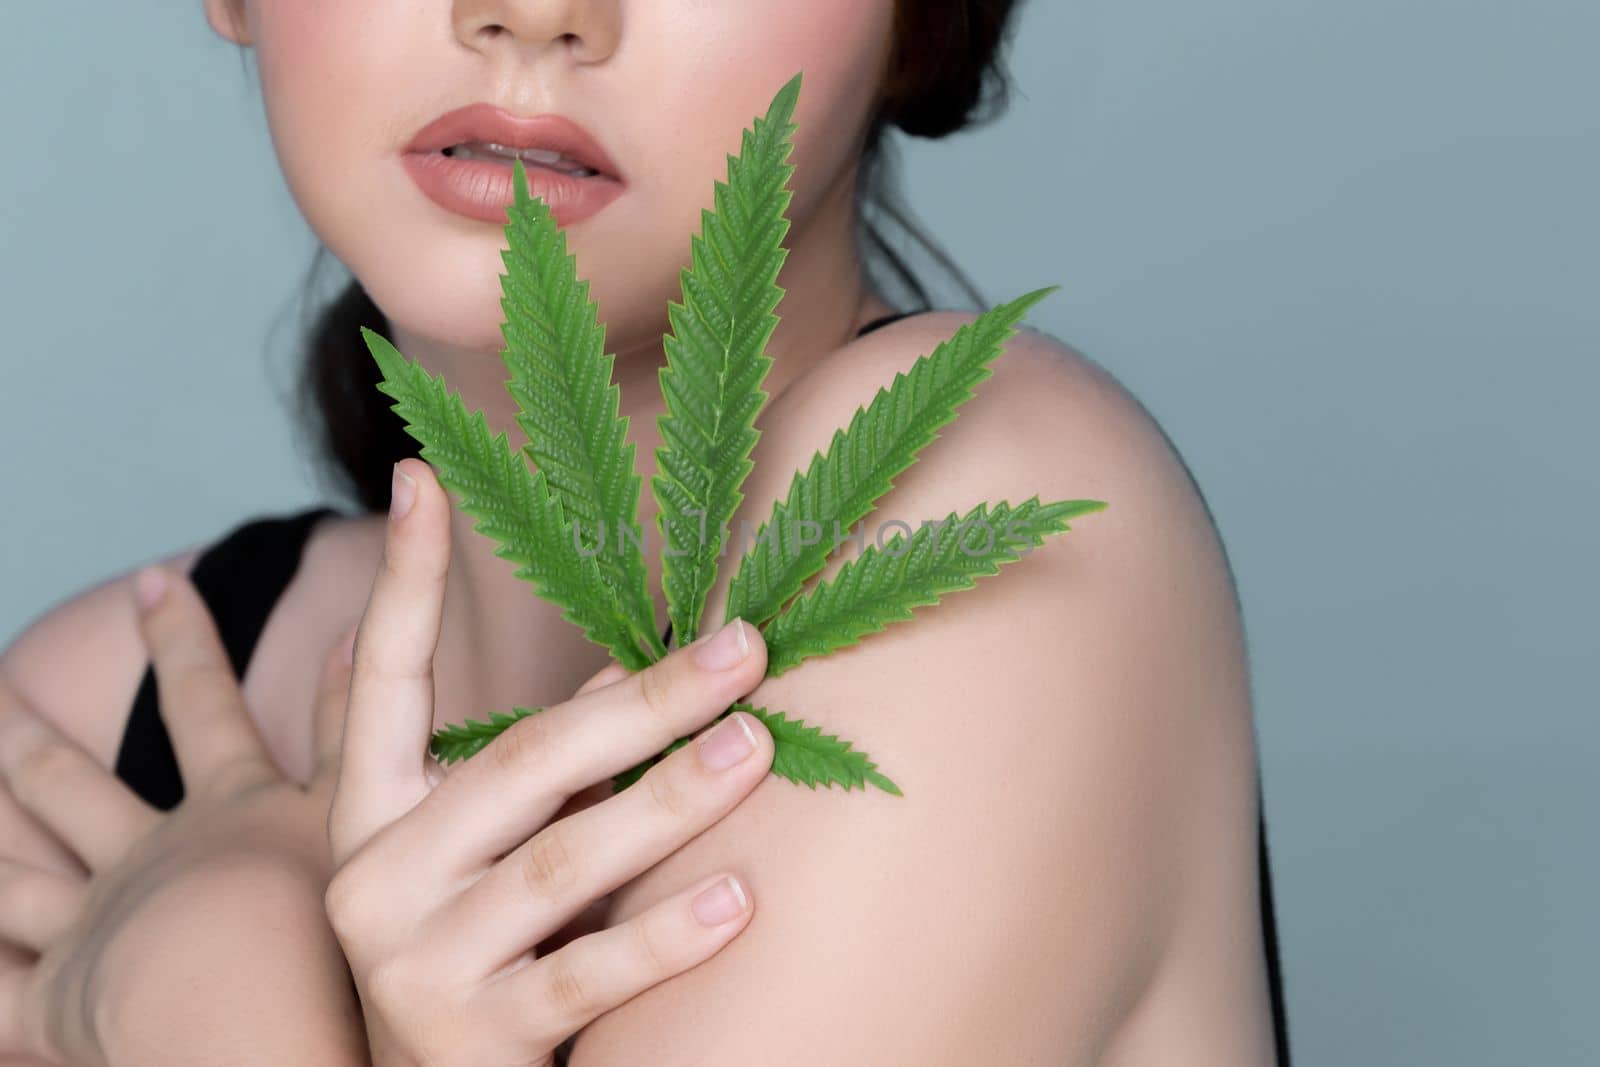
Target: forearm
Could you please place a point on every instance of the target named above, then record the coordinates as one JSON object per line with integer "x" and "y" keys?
{"x": 240, "y": 967}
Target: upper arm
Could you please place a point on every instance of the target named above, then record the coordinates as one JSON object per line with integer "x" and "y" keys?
{"x": 79, "y": 663}
{"x": 1067, "y": 734}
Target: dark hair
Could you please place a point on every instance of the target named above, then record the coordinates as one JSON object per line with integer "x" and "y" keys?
{"x": 946, "y": 72}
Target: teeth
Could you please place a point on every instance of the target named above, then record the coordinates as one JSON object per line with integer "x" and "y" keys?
{"x": 488, "y": 150}
{"x": 533, "y": 155}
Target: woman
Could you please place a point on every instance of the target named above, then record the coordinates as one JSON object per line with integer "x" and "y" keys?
{"x": 1072, "y": 873}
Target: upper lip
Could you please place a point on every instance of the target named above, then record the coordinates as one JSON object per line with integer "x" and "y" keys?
{"x": 488, "y": 123}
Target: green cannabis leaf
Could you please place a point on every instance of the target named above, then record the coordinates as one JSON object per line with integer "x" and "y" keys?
{"x": 561, "y": 381}
{"x": 512, "y": 504}
{"x": 806, "y": 755}
{"x": 465, "y": 740}
{"x": 882, "y": 585}
{"x": 883, "y": 439}
{"x": 571, "y": 523}
{"x": 716, "y": 361}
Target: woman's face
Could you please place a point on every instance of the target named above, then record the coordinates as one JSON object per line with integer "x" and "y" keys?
{"x": 664, "y": 86}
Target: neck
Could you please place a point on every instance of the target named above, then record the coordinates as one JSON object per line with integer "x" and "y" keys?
{"x": 492, "y": 619}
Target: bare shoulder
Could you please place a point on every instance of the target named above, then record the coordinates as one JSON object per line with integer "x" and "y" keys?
{"x": 80, "y": 662}
{"x": 1047, "y": 419}
{"x": 1071, "y": 867}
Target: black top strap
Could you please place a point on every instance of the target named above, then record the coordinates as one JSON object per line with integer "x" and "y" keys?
{"x": 1269, "y": 933}
{"x": 240, "y": 577}
{"x": 884, "y": 321}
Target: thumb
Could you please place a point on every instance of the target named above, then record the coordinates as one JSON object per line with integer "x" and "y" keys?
{"x": 333, "y": 701}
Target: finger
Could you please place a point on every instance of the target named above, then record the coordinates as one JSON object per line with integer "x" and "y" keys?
{"x": 36, "y": 906}
{"x": 609, "y": 674}
{"x": 587, "y": 921}
{"x": 16, "y": 970}
{"x": 556, "y": 996}
{"x": 87, "y": 807}
{"x": 333, "y": 701}
{"x": 24, "y": 840}
{"x": 517, "y": 783}
{"x": 382, "y": 770}
{"x": 202, "y": 704}
{"x": 24, "y": 1030}
{"x": 612, "y": 673}
{"x": 549, "y": 879}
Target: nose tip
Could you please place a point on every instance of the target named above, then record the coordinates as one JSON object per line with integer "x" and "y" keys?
{"x": 489, "y": 31}
{"x": 568, "y": 23}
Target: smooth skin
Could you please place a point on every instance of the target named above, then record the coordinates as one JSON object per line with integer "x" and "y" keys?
{"x": 162, "y": 903}
{"x": 1070, "y": 876}
{"x": 189, "y": 937}
{"x": 447, "y": 884}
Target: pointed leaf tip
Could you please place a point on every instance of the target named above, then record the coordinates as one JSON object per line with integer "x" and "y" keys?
{"x": 1027, "y": 300}
{"x": 519, "y": 182}
{"x": 884, "y": 783}
{"x": 388, "y": 357}
{"x": 783, "y": 104}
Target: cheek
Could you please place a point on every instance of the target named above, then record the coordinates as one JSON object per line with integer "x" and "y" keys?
{"x": 716, "y": 66}
{"x": 317, "y": 76}
{"x": 322, "y": 62}
{"x": 347, "y": 82}
{"x": 344, "y": 89}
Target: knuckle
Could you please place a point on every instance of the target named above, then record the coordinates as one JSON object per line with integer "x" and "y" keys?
{"x": 392, "y": 985}
{"x": 658, "y": 960}
{"x": 42, "y": 770}
{"x": 345, "y": 901}
{"x": 655, "y": 692}
{"x": 568, "y": 992}
{"x": 548, "y": 868}
{"x": 522, "y": 746}
{"x": 666, "y": 792}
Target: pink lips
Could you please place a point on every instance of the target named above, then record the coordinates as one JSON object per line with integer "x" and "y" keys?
{"x": 481, "y": 189}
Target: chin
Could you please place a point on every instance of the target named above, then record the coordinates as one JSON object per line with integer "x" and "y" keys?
{"x": 436, "y": 275}
{"x": 441, "y": 286}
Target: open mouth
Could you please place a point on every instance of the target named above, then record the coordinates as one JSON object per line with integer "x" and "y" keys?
{"x": 464, "y": 164}
{"x": 489, "y": 152}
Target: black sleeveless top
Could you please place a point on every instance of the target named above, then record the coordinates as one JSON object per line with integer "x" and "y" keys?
{"x": 241, "y": 576}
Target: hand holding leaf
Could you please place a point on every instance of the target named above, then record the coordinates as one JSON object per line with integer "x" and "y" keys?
{"x": 584, "y": 486}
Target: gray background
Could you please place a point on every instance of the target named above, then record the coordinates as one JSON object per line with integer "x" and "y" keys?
{"x": 1345, "y": 252}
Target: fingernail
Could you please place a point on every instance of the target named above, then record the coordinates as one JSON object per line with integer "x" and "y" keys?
{"x": 149, "y": 586}
{"x": 724, "y": 899}
{"x": 402, "y": 494}
{"x": 726, "y": 743}
{"x": 726, "y": 649}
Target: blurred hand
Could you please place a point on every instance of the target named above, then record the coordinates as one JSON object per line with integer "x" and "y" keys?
{"x": 92, "y": 876}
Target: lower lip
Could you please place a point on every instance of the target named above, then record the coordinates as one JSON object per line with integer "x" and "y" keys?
{"x": 482, "y": 190}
